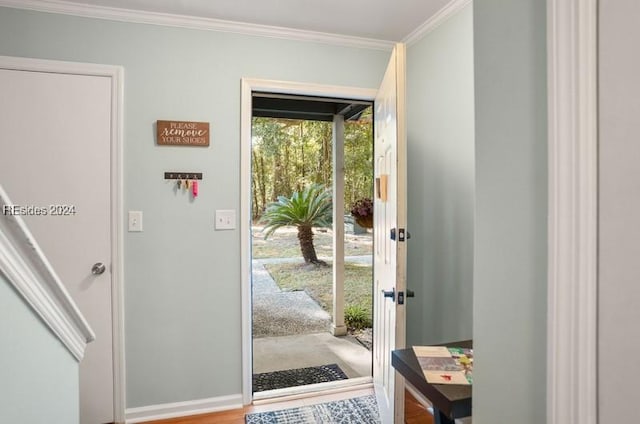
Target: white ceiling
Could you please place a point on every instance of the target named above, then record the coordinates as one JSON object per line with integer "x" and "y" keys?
{"x": 390, "y": 20}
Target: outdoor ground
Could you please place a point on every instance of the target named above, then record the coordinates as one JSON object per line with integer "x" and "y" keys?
{"x": 284, "y": 243}
{"x": 292, "y": 274}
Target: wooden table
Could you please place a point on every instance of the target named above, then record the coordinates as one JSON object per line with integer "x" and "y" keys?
{"x": 450, "y": 401}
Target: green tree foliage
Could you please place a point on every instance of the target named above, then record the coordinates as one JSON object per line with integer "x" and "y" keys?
{"x": 304, "y": 209}
{"x": 288, "y": 155}
{"x": 358, "y": 160}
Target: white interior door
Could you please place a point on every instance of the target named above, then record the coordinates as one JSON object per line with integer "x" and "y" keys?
{"x": 390, "y": 255}
{"x": 56, "y": 154}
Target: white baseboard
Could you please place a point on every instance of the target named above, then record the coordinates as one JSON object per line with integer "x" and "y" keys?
{"x": 181, "y": 409}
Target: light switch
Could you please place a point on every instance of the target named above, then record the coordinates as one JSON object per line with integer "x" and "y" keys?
{"x": 135, "y": 221}
{"x": 226, "y": 219}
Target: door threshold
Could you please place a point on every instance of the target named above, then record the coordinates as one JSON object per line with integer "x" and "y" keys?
{"x": 311, "y": 390}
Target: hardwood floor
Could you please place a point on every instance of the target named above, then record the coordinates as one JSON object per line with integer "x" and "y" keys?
{"x": 415, "y": 413}
{"x": 235, "y": 416}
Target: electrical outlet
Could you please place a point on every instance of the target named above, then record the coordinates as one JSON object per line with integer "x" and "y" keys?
{"x": 226, "y": 219}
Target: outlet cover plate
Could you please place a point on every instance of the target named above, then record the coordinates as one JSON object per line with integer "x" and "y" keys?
{"x": 225, "y": 219}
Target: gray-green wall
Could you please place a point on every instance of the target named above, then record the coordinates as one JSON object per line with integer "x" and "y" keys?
{"x": 182, "y": 278}
{"x": 510, "y": 270}
{"x": 38, "y": 375}
{"x": 440, "y": 120}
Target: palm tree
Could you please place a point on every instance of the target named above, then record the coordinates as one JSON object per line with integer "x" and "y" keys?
{"x": 306, "y": 209}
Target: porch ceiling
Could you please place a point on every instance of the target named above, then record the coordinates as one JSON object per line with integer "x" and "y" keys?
{"x": 272, "y": 105}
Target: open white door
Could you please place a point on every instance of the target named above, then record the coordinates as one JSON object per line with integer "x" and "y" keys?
{"x": 390, "y": 234}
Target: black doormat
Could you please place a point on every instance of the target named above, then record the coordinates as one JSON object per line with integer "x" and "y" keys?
{"x": 297, "y": 377}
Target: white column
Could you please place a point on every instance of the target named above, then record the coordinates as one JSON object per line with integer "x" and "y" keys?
{"x": 338, "y": 328}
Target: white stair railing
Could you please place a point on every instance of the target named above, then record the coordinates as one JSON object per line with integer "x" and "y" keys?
{"x": 25, "y": 266}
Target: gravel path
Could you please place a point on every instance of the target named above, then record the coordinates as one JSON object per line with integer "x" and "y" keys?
{"x": 281, "y": 313}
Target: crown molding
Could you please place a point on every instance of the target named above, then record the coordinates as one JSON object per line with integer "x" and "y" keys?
{"x": 25, "y": 266}
{"x": 441, "y": 16}
{"x": 193, "y": 22}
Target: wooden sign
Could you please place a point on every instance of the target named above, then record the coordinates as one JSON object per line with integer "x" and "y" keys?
{"x": 183, "y": 133}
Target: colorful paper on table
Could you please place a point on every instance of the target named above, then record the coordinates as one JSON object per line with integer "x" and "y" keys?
{"x": 432, "y": 351}
{"x": 440, "y": 377}
{"x": 429, "y": 363}
{"x": 442, "y": 365}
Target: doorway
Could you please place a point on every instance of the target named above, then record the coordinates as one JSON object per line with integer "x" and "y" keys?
{"x": 298, "y": 322}
{"x": 296, "y": 107}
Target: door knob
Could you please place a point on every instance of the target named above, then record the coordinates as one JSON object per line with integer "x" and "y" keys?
{"x": 409, "y": 293}
{"x": 98, "y": 268}
{"x": 390, "y": 293}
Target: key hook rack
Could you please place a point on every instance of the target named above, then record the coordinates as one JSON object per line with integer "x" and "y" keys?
{"x": 185, "y": 181}
{"x": 183, "y": 175}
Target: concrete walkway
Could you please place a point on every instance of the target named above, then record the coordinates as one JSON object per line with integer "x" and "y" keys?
{"x": 310, "y": 350}
{"x": 283, "y": 313}
{"x": 290, "y": 330}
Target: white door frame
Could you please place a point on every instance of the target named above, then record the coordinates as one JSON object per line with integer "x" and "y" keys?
{"x": 573, "y": 212}
{"x": 116, "y": 74}
{"x": 249, "y": 85}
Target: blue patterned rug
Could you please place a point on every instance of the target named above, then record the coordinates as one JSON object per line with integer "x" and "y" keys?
{"x": 361, "y": 410}
{"x": 297, "y": 377}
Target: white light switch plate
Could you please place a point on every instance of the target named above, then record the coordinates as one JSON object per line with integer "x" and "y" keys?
{"x": 135, "y": 221}
{"x": 226, "y": 219}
